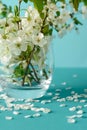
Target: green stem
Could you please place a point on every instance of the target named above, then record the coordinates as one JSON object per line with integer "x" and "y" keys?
{"x": 35, "y": 73}
{"x": 45, "y": 73}
{"x": 44, "y": 20}
{"x": 32, "y": 77}
{"x": 28, "y": 63}
{"x": 19, "y": 7}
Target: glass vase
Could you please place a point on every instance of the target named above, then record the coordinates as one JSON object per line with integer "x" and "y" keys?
{"x": 36, "y": 76}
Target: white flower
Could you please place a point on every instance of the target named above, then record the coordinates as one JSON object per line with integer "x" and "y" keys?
{"x": 70, "y": 120}
{"x": 5, "y": 54}
{"x": 31, "y": 13}
{"x": 8, "y": 118}
{"x": 17, "y": 46}
{"x": 65, "y": 16}
{"x": 40, "y": 36}
{"x": 72, "y": 109}
{"x": 84, "y": 11}
{"x": 2, "y": 21}
{"x": 80, "y": 112}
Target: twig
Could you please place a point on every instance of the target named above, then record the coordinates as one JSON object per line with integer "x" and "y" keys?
{"x": 35, "y": 73}
{"x": 19, "y": 7}
{"x": 32, "y": 77}
{"x": 29, "y": 60}
{"x": 44, "y": 20}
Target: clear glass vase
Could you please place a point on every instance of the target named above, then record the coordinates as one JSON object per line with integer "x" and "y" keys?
{"x": 36, "y": 77}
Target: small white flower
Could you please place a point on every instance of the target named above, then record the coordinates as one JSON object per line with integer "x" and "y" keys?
{"x": 79, "y": 116}
{"x": 8, "y": 117}
{"x": 61, "y": 100}
{"x": 16, "y": 112}
{"x": 46, "y": 110}
{"x": 62, "y": 105}
{"x": 72, "y": 109}
{"x": 27, "y": 116}
{"x": 35, "y": 109}
{"x": 45, "y": 101}
{"x": 36, "y": 115}
{"x": 80, "y": 112}
{"x": 71, "y": 120}
{"x": 32, "y": 12}
{"x": 40, "y": 36}
{"x": 84, "y": 11}
{"x": 17, "y": 46}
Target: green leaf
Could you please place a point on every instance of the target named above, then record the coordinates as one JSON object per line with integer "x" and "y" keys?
{"x": 58, "y": 13}
{"x": 16, "y": 19}
{"x": 45, "y": 29}
{"x": 4, "y": 10}
{"x": 36, "y": 58}
{"x": 16, "y": 10}
{"x": 39, "y": 4}
{"x": 50, "y": 31}
{"x": 76, "y": 21}
{"x": 63, "y": 1}
{"x": 18, "y": 71}
{"x": 85, "y": 2}
{"x": 10, "y": 8}
{"x": 45, "y": 74}
{"x": 26, "y": 1}
{"x": 53, "y": 1}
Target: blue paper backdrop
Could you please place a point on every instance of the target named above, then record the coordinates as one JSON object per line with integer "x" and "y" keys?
{"x": 71, "y": 50}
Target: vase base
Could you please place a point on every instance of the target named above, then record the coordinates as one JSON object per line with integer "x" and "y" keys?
{"x": 26, "y": 92}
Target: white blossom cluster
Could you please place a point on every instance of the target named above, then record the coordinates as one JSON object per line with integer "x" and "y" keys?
{"x": 59, "y": 16}
{"x": 14, "y": 39}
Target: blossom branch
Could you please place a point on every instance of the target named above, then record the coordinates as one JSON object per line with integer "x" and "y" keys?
{"x": 19, "y": 7}
{"x": 29, "y": 60}
{"x": 35, "y": 73}
{"x": 44, "y": 21}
